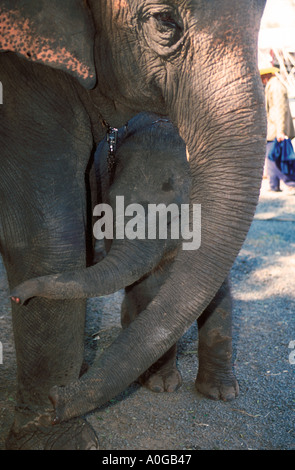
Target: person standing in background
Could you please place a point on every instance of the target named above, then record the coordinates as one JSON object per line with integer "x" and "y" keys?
{"x": 279, "y": 124}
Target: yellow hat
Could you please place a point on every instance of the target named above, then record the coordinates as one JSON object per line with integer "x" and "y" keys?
{"x": 269, "y": 70}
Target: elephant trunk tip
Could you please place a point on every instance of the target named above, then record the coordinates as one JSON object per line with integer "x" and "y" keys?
{"x": 23, "y": 292}
{"x": 16, "y": 300}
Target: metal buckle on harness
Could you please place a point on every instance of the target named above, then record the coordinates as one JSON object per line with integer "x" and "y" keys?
{"x": 112, "y": 136}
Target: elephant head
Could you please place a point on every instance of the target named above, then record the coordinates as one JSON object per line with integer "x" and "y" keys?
{"x": 195, "y": 61}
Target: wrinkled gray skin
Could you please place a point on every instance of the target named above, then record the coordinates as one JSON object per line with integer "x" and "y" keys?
{"x": 151, "y": 168}
{"x": 192, "y": 60}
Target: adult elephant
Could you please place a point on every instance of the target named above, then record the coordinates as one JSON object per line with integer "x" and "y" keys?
{"x": 68, "y": 68}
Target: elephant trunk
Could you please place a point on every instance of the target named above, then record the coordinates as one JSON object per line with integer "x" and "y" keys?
{"x": 126, "y": 262}
{"x": 227, "y": 149}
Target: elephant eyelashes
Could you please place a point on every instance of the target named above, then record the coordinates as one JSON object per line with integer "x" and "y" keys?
{"x": 163, "y": 31}
{"x": 168, "y": 26}
{"x": 166, "y": 20}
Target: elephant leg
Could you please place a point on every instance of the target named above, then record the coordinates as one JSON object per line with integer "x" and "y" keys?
{"x": 215, "y": 377}
{"x": 43, "y": 219}
{"x": 48, "y": 334}
{"x": 163, "y": 375}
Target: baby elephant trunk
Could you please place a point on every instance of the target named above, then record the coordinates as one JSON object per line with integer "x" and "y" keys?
{"x": 126, "y": 262}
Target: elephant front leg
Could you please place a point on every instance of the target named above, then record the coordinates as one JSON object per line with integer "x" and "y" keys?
{"x": 163, "y": 375}
{"x": 49, "y": 334}
{"x": 49, "y": 347}
{"x": 215, "y": 377}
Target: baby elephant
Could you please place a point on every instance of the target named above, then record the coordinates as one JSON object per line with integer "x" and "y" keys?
{"x": 146, "y": 173}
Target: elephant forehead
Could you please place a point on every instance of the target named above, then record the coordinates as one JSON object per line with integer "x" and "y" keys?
{"x": 21, "y": 34}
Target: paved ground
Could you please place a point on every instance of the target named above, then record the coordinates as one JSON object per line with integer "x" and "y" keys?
{"x": 263, "y": 415}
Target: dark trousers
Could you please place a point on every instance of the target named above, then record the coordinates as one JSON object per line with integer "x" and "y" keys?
{"x": 274, "y": 174}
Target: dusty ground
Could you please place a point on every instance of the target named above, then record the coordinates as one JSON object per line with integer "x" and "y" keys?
{"x": 263, "y": 416}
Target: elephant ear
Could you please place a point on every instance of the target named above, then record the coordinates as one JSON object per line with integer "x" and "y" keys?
{"x": 58, "y": 33}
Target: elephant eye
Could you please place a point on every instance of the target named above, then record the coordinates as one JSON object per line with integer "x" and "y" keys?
{"x": 166, "y": 20}
{"x": 162, "y": 30}
{"x": 168, "y": 26}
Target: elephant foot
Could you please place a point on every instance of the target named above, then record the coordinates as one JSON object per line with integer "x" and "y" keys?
{"x": 217, "y": 386}
{"x": 75, "y": 434}
{"x": 161, "y": 381}
{"x": 163, "y": 376}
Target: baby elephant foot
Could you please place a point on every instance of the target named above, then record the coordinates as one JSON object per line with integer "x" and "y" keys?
{"x": 221, "y": 386}
{"x": 75, "y": 434}
{"x": 161, "y": 381}
{"x": 163, "y": 376}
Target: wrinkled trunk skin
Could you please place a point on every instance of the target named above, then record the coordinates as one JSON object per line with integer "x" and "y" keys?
{"x": 125, "y": 263}
{"x": 224, "y": 128}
